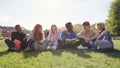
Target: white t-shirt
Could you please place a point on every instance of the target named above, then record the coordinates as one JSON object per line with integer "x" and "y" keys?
{"x": 30, "y": 36}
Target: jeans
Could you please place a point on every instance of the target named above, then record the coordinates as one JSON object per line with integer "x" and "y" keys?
{"x": 51, "y": 43}
{"x": 85, "y": 44}
{"x": 92, "y": 44}
{"x": 108, "y": 37}
{"x": 9, "y": 43}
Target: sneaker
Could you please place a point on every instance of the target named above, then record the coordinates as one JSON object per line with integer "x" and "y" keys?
{"x": 10, "y": 50}
{"x": 27, "y": 49}
{"x": 54, "y": 47}
{"x": 48, "y": 47}
{"x": 13, "y": 50}
{"x": 17, "y": 50}
{"x": 84, "y": 48}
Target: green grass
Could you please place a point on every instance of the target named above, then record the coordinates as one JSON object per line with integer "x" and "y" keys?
{"x": 61, "y": 58}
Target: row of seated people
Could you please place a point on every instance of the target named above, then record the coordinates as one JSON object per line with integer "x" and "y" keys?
{"x": 36, "y": 40}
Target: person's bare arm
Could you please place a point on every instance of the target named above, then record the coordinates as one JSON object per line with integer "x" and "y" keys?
{"x": 95, "y": 35}
{"x": 43, "y": 36}
{"x": 49, "y": 36}
{"x": 26, "y": 37}
{"x": 80, "y": 35}
{"x": 102, "y": 34}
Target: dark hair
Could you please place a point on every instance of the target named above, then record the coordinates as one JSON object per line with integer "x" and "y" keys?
{"x": 67, "y": 24}
{"x": 86, "y": 23}
{"x": 17, "y": 26}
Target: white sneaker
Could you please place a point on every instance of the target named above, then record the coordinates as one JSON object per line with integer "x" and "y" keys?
{"x": 84, "y": 48}
{"x": 54, "y": 47}
{"x": 15, "y": 49}
{"x": 28, "y": 48}
{"x": 48, "y": 47}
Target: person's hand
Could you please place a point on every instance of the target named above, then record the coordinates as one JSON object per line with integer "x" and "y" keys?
{"x": 98, "y": 38}
{"x": 66, "y": 34}
{"x": 87, "y": 40}
{"x": 26, "y": 37}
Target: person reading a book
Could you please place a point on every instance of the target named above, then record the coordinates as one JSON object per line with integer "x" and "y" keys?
{"x": 68, "y": 36}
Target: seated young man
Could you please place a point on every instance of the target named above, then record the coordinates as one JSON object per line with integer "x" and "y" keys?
{"x": 68, "y": 36}
{"x": 17, "y": 38}
{"x": 87, "y": 36}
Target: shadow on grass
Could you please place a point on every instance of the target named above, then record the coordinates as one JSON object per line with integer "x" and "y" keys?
{"x": 25, "y": 54}
{"x": 58, "y": 52}
{"x": 83, "y": 53}
{"x": 31, "y": 54}
{"x": 80, "y": 53}
{"x": 114, "y": 54}
{"x": 3, "y": 53}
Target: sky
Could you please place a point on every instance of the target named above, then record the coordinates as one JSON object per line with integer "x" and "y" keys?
{"x": 28, "y": 13}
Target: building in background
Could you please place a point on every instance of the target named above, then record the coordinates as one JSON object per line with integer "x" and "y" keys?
{"x": 6, "y": 31}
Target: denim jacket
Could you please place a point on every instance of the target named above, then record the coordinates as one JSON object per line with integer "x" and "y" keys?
{"x": 107, "y": 36}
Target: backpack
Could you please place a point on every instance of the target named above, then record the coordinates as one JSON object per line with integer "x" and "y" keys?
{"x": 39, "y": 46}
{"x": 104, "y": 46}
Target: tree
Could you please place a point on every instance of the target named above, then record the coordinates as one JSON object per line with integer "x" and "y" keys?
{"x": 77, "y": 28}
{"x": 113, "y": 21}
{"x": 0, "y": 31}
{"x": 26, "y": 31}
{"x": 46, "y": 32}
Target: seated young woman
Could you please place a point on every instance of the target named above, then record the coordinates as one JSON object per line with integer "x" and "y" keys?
{"x": 103, "y": 33}
{"x": 36, "y": 36}
{"x": 53, "y": 38}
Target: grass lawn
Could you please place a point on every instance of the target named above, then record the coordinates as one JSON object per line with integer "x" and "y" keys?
{"x": 61, "y": 58}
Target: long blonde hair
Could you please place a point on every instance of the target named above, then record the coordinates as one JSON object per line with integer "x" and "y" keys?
{"x": 52, "y": 28}
{"x": 101, "y": 25}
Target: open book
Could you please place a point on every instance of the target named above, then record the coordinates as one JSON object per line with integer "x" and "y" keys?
{"x": 70, "y": 41}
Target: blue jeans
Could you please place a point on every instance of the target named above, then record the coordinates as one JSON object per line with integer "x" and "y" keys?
{"x": 9, "y": 43}
{"x": 108, "y": 37}
{"x": 92, "y": 44}
{"x": 46, "y": 42}
{"x": 50, "y": 43}
{"x": 85, "y": 44}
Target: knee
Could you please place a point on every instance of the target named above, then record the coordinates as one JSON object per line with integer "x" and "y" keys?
{"x": 7, "y": 40}
{"x": 61, "y": 42}
{"x": 80, "y": 39}
{"x": 56, "y": 43}
{"x": 46, "y": 41}
{"x": 50, "y": 43}
{"x": 91, "y": 42}
{"x": 30, "y": 41}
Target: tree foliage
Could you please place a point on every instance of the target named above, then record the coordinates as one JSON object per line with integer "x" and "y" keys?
{"x": 0, "y": 31}
{"x": 113, "y": 21}
{"x": 77, "y": 28}
{"x": 26, "y": 31}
